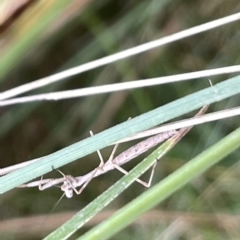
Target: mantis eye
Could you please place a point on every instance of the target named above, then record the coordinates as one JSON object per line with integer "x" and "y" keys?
{"x": 67, "y": 189}
{"x": 69, "y": 193}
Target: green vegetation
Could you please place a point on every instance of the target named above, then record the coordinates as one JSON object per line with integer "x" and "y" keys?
{"x": 190, "y": 182}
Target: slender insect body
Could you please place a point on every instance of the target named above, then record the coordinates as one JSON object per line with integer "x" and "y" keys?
{"x": 68, "y": 186}
{"x": 70, "y": 183}
{"x": 142, "y": 147}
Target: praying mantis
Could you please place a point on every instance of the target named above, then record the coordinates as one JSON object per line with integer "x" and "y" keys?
{"x": 69, "y": 184}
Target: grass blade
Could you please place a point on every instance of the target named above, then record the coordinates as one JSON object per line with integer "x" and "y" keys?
{"x": 145, "y": 121}
{"x": 165, "y": 188}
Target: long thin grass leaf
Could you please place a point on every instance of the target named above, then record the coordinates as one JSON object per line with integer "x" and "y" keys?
{"x": 145, "y": 121}
{"x": 108, "y": 196}
{"x": 165, "y": 188}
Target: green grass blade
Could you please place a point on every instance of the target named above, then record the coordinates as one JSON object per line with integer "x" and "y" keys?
{"x": 165, "y": 188}
{"x": 108, "y": 196}
{"x": 145, "y": 121}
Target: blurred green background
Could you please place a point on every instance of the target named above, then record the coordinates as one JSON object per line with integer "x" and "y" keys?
{"x": 46, "y": 37}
